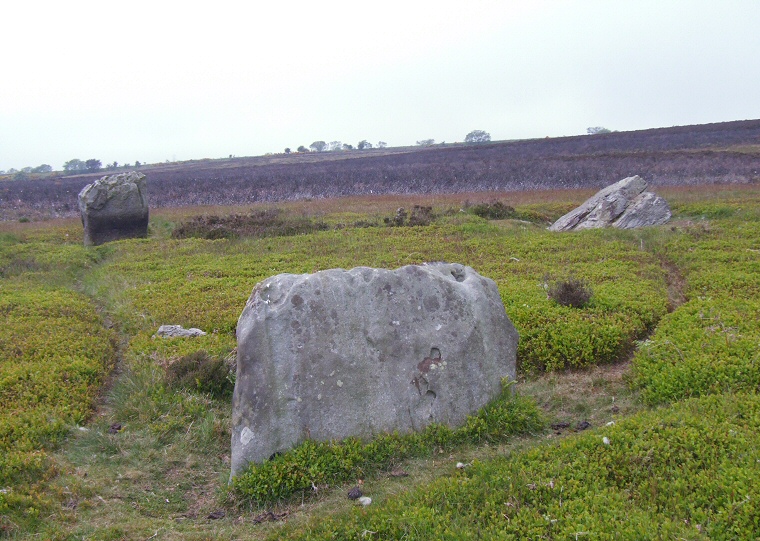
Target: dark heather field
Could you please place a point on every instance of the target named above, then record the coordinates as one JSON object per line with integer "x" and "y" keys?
{"x": 723, "y": 153}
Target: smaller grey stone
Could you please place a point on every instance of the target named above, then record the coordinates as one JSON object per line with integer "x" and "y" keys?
{"x": 624, "y": 205}
{"x": 177, "y": 331}
{"x": 355, "y": 493}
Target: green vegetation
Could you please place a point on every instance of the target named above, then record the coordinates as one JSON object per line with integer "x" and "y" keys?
{"x": 687, "y": 472}
{"x": 314, "y": 464}
{"x": 711, "y": 344}
{"x": 54, "y": 356}
{"x": 680, "y": 301}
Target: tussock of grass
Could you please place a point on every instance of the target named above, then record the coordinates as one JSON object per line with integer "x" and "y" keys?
{"x": 201, "y": 373}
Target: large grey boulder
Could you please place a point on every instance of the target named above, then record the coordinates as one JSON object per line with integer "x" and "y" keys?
{"x": 625, "y": 205}
{"x": 114, "y": 207}
{"x": 365, "y": 351}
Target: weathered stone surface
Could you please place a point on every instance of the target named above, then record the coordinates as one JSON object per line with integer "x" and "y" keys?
{"x": 625, "y": 205}
{"x": 114, "y": 207}
{"x": 355, "y": 353}
{"x": 174, "y": 331}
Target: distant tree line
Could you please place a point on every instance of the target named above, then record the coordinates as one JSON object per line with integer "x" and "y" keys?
{"x": 475, "y": 136}
{"x": 94, "y": 165}
{"x": 334, "y": 146}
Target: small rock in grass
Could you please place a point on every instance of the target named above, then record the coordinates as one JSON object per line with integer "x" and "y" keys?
{"x": 365, "y": 501}
{"x": 114, "y": 428}
{"x": 178, "y": 331}
{"x": 582, "y": 425}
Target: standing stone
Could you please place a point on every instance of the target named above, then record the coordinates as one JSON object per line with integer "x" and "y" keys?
{"x": 114, "y": 207}
{"x": 625, "y": 205}
{"x": 356, "y": 353}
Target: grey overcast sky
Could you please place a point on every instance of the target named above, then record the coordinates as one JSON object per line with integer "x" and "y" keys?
{"x": 166, "y": 80}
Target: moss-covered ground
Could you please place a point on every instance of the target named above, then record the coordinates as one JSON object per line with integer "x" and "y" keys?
{"x": 663, "y": 364}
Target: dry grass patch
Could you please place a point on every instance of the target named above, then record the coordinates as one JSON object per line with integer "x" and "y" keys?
{"x": 596, "y": 395}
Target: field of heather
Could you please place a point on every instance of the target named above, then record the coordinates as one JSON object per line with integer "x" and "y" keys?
{"x": 722, "y": 153}
{"x": 635, "y": 415}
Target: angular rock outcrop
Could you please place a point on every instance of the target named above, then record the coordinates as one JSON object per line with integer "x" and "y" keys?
{"x": 625, "y": 205}
{"x": 355, "y": 353}
{"x": 114, "y": 207}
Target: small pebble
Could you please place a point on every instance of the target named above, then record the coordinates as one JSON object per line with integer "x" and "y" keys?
{"x": 606, "y": 440}
{"x": 365, "y": 501}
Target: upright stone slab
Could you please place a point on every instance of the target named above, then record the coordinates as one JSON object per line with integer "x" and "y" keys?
{"x": 114, "y": 207}
{"x": 625, "y": 205}
{"x": 355, "y": 353}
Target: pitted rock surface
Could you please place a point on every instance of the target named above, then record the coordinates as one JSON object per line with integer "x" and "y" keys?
{"x": 365, "y": 351}
{"x": 625, "y": 205}
{"x": 114, "y": 207}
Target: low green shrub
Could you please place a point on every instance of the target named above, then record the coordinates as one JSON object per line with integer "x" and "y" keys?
{"x": 54, "y": 356}
{"x": 706, "y": 346}
{"x": 687, "y": 472}
{"x": 314, "y": 464}
{"x": 710, "y": 344}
